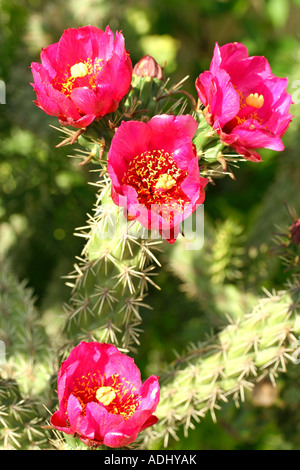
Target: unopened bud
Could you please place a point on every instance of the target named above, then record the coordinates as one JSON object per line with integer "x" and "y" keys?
{"x": 148, "y": 67}
{"x": 295, "y": 232}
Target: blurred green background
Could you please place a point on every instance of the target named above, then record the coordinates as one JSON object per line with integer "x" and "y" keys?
{"x": 45, "y": 195}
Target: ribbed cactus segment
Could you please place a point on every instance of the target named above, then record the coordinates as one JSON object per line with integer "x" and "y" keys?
{"x": 258, "y": 345}
{"x": 21, "y": 419}
{"x": 208, "y": 275}
{"x": 111, "y": 278}
{"x": 20, "y": 327}
{"x": 227, "y": 252}
{"x": 24, "y": 369}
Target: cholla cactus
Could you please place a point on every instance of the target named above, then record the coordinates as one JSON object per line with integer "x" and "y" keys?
{"x": 110, "y": 280}
{"x": 25, "y": 367}
{"x": 203, "y": 273}
{"x": 155, "y": 152}
{"x": 259, "y": 341}
{"x": 259, "y": 344}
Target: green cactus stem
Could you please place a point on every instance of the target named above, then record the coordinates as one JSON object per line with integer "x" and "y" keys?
{"x": 246, "y": 351}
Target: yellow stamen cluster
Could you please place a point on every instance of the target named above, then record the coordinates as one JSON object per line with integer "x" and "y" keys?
{"x": 255, "y": 100}
{"x": 153, "y": 174}
{"x": 79, "y": 70}
{"x": 105, "y": 395}
{"x": 119, "y": 397}
{"x": 90, "y": 68}
{"x": 165, "y": 181}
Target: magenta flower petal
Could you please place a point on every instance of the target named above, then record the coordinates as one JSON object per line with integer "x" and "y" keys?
{"x": 179, "y": 129}
{"x": 150, "y": 422}
{"x": 248, "y": 153}
{"x": 219, "y": 97}
{"x": 205, "y": 87}
{"x": 117, "y": 73}
{"x": 150, "y": 393}
{"x": 49, "y": 59}
{"x": 101, "y": 421}
{"x": 58, "y": 420}
{"x": 102, "y": 399}
{"x": 244, "y": 101}
{"x": 252, "y": 131}
{"x": 256, "y": 69}
{"x": 143, "y": 417}
{"x": 118, "y": 439}
{"x": 154, "y": 172}
{"x": 133, "y": 138}
{"x": 54, "y": 102}
{"x": 92, "y": 102}
{"x": 75, "y": 418}
{"x": 225, "y": 102}
{"x": 228, "y": 54}
{"x": 83, "y": 76}
{"x": 75, "y": 45}
{"x": 105, "y": 44}
{"x": 191, "y": 184}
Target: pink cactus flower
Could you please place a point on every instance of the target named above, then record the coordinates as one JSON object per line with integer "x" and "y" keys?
{"x": 154, "y": 172}
{"x": 244, "y": 101}
{"x": 83, "y": 76}
{"x": 102, "y": 400}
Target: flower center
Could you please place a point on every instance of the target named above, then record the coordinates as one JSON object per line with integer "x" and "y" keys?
{"x": 79, "y": 70}
{"x": 79, "y": 74}
{"x": 105, "y": 395}
{"x": 255, "y": 100}
{"x": 165, "y": 181}
{"x": 117, "y": 395}
{"x": 157, "y": 179}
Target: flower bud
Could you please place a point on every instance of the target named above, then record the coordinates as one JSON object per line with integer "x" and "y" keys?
{"x": 148, "y": 67}
{"x": 295, "y": 232}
